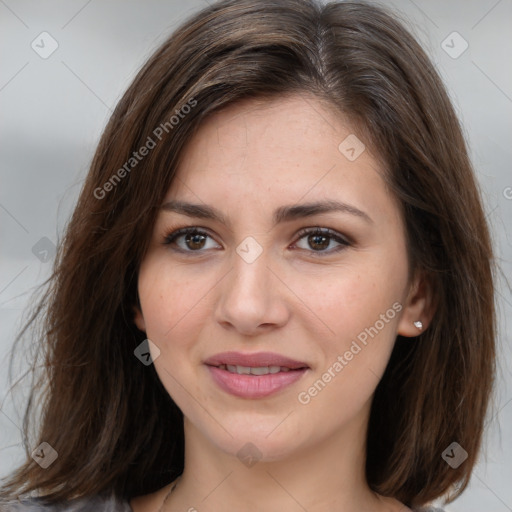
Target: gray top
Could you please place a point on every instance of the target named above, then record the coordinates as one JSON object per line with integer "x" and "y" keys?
{"x": 96, "y": 504}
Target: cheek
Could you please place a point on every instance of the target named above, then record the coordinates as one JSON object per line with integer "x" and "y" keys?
{"x": 353, "y": 298}
{"x": 175, "y": 308}
{"x": 355, "y": 359}
{"x": 173, "y": 302}
{"x": 361, "y": 309}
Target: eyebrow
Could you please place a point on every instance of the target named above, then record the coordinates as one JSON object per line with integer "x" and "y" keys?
{"x": 281, "y": 214}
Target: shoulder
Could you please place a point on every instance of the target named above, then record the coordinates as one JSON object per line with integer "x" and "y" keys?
{"x": 89, "y": 504}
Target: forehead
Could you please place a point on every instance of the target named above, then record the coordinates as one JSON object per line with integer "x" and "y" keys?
{"x": 267, "y": 152}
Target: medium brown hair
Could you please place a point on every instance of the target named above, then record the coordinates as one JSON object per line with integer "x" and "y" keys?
{"x": 108, "y": 416}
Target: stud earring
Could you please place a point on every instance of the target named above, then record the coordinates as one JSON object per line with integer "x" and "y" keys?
{"x": 418, "y": 324}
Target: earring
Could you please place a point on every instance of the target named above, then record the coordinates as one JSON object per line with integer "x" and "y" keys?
{"x": 418, "y": 324}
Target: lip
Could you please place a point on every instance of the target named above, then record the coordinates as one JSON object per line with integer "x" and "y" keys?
{"x": 254, "y": 386}
{"x": 255, "y": 359}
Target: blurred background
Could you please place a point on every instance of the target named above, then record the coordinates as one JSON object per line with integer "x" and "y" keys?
{"x": 65, "y": 64}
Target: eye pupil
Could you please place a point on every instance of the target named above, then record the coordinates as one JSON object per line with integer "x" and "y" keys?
{"x": 195, "y": 238}
{"x": 316, "y": 240}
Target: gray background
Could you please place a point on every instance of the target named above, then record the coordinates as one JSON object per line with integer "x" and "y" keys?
{"x": 53, "y": 111}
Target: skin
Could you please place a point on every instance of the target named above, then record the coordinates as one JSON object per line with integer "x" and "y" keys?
{"x": 248, "y": 160}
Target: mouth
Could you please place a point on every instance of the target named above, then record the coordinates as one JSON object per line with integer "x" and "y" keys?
{"x": 254, "y": 361}
{"x": 254, "y": 375}
{"x": 256, "y": 370}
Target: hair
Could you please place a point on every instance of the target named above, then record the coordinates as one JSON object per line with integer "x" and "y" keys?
{"x": 108, "y": 416}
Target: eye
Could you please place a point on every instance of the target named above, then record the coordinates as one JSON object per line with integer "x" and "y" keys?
{"x": 193, "y": 240}
{"x": 319, "y": 239}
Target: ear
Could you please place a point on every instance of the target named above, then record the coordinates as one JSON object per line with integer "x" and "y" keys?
{"x": 138, "y": 318}
{"x": 419, "y": 307}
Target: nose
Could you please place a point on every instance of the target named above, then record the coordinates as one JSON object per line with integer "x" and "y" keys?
{"x": 252, "y": 297}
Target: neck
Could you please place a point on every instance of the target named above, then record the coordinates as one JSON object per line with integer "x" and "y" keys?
{"x": 326, "y": 476}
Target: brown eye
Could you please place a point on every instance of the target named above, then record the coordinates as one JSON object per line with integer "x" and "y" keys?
{"x": 319, "y": 239}
{"x": 195, "y": 241}
{"x": 189, "y": 240}
{"x": 318, "y": 242}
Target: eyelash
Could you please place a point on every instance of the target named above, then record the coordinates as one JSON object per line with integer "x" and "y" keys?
{"x": 329, "y": 233}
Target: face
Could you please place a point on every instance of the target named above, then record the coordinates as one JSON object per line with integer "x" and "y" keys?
{"x": 309, "y": 300}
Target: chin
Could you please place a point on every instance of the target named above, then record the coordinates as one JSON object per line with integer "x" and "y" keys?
{"x": 266, "y": 439}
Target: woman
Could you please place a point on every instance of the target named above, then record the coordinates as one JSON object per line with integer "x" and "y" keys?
{"x": 275, "y": 292}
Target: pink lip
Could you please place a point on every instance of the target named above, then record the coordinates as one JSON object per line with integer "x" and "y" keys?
{"x": 256, "y": 359}
{"x": 254, "y": 386}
